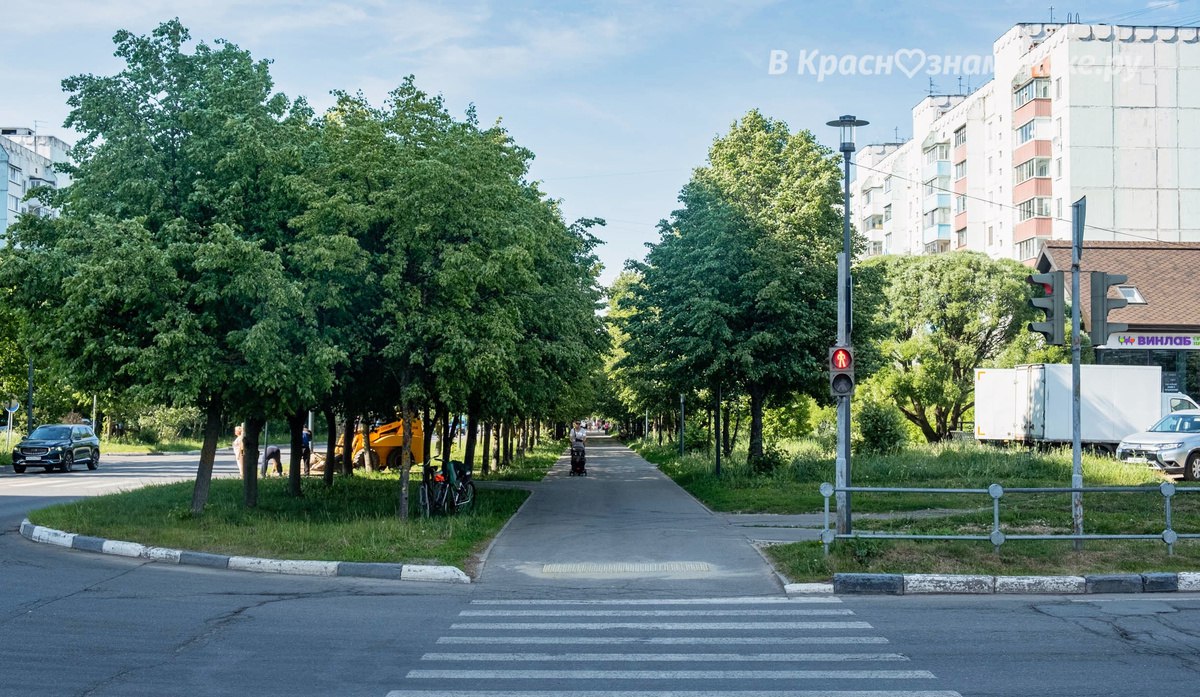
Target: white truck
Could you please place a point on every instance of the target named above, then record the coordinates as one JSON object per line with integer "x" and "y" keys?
{"x": 1032, "y": 403}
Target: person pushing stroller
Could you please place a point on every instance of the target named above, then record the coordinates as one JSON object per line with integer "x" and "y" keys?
{"x": 578, "y": 439}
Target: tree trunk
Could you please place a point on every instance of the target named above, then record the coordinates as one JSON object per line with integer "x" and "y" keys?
{"x": 469, "y": 448}
{"x": 296, "y": 426}
{"x": 347, "y": 463}
{"x": 405, "y": 460}
{"x": 737, "y": 429}
{"x": 485, "y": 467}
{"x": 728, "y": 446}
{"x": 757, "y": 397}
{"x": 427, "y": 420}
{"x": 717, "y": 429}
{"x": 254, "y": 427}
{"x": 208, "y": 453}
{"x": 496, "y": 451}
{"x": 443, "y": 416}
{"x": 508, "y": 442}
{"x": 330, "y": 444}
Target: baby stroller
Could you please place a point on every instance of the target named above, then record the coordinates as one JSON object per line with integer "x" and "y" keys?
{"x": 578, "y": 462}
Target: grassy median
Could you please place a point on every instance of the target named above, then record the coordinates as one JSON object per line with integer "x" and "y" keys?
{"x": 792, "y": 487}
{"x": 354, "y": 520}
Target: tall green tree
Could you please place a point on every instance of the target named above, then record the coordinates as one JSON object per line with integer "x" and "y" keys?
{"x": 946, "y": 315}
{"x": 180, "y": 174}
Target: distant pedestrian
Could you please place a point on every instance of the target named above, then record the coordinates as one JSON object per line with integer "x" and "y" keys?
{"x": 239, "y": 451}
{"x": 306, "y": 448}
{"x": 271, "y": 452}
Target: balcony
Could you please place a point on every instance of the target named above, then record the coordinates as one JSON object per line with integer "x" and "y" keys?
{"x": 935, "y": 200}
{"x": 1031, "y": 109}
{"x": 1031, "y": 149}
{"x": 937, "y": 168}
{"x": 1041, "y": 187}
{"x": 934, "y": 233}
{"x": 1034, "y": 227}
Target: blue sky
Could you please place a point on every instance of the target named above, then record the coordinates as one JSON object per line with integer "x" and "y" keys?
{"x": 618, "y": 100}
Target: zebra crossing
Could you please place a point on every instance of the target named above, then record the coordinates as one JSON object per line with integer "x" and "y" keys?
{"x": 707, "y": 647}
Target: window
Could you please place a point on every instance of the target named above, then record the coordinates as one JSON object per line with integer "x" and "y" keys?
{"x": 960, "y": 170}
{"x": 13, "y": 203}
{"x": 1028, "y": 249}
{"x": 1035, "y": 167}
{"x": 937, "y": 246}
{"x": 1026, "y": 133}
{"x": 14, "y": 175}
{"x": 887, "y": 212}
{"x": 960, "y": 137}
{"x": 961, "y": 236}
{"x": 1058, "y": 208}
{"x": 1058, "y": 168}
{"x": 1038, "y": 88}
{"x": 941, "y": 151}
{"x": 1033, "y": 208}
{"x": 1058, "y": 88}
{"x": 1131, "y": 294}
{"x": 938, "y": 216}
{"x": 866, "y": 196}
{"x": 960, "y": 204}
{"x": 991, "y": 239}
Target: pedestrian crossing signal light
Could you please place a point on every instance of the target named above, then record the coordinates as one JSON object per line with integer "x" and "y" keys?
{"x": 1102, "y": 305}
{"x": 841, "y": 371}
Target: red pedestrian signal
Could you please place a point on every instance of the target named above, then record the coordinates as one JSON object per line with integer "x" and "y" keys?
{"x": 841, "y": 371}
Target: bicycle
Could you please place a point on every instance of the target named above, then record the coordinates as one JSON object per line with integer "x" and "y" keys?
{"x": 449, "y": 490}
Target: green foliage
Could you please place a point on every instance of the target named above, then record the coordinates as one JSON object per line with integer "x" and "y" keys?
{"x": 945, "y": 315}
{"x": 790, "y": 420}
{"x": 160, "y": 424}
{"x": 879, "y": 426}
{"x": 773, "y": 458}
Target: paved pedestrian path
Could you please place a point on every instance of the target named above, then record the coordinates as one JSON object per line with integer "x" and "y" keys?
{"x": 625, "y": 526}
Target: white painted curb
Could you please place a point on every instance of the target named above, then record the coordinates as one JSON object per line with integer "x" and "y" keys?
{"x": 1041, "y": 584}
{"x": 1189, "y": 581}
{"x": 450, "y": 574}
{"x": 948, "y": 583}
{"x": 283, "y": 566}
{"x": 52, "y": 537}
{"x": 800, "y": 588}
{"x": 123, "y": 549}
{"x": 161, "y": 554}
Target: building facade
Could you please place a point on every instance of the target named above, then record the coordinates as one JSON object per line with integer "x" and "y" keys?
{"x": 27, "y": 161}
{"x": 1107, "y": 112}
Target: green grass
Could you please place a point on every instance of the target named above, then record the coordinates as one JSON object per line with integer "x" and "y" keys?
{"x": 354, "y": 520}
{"x": 183, "y": 446}
{"x": 793, "y": 488}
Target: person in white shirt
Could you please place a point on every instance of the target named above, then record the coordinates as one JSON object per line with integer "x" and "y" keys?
{"x": 577, "y": 436}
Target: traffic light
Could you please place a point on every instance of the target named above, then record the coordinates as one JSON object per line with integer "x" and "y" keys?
{"x": 1101, "y": 304}
{"x": 1052, "y": 304}
{"x": 841, "y": 371}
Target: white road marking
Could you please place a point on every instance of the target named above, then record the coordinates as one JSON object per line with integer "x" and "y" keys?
{"x": 675, "y": 693}
{"x": 669, "y": 601}
{"x": 634, "y": 657}
{"x": 655, "y": 613}
{"x": 458, "y": 674}
{"x": 660, "y": 625}
{"x": 673, "y": 641}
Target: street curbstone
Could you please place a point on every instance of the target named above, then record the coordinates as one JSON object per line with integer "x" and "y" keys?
{"x": 882, "y": 584}
{"x": 1189, "y": 581}
{"x": 171, "y": 556}
{"x": 1161, "y": 582}
{"x": 1114, "y": 583}
{"x": 88, "y": 543}
{"x": 1063, "y": 585}
{"x": 370, "y": 570}
{"x": 214, "y": 561}
{"x": 52, "y": 537}
{"x": 283, "y": 566}
{"x": 443, "y": 574}
{"x": 807, "y": 588}
{"x": 123, "y": 549}
{"x": 27, "y": 529}
{"x": 949, "y": 583}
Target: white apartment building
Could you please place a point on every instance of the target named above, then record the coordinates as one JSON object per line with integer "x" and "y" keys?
{"x": 27, "y": 161}
{"x": 1107, "y": 112}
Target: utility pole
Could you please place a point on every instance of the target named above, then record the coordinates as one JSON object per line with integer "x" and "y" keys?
{"x": 1079, "y": 211}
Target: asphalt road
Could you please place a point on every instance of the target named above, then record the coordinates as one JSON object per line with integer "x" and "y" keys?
{"x": 75, "y": 623}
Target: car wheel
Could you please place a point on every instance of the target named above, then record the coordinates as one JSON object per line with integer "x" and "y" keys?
{"x": 94, "y": 462}
{"x": 19, "y": 469}
{"x": 393, "y": 459}
{"x": 1191, "y": 471}
{"x": 68, "y": 462}
{"x": 360, "y": 460}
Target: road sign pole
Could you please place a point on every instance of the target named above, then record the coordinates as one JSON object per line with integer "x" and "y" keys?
{"x": 1079, "y": 209}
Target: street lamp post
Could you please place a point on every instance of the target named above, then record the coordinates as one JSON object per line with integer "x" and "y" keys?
{"x": 846, "y": 126}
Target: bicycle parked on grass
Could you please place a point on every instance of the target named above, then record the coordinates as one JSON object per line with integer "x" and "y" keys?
{"x": 446, "y": 489}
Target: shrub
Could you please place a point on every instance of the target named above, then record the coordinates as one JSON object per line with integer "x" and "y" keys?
{"x": 880, "y": 428}
{"x": 773, "y": 458}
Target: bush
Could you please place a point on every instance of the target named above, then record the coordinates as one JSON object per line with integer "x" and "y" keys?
{"x": 167, "y": 424}
{"x": 880, "y": 428}
{"x": 773, "y": 458}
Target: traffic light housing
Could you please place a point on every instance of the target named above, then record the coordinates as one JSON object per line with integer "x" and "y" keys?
{"x": 1101, "y": 304}
{"x": 841, "y": 371}
{"x": 1052, "y": 304}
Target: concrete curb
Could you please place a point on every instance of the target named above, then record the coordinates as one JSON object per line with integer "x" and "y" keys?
{"x": 395, "y": 572}
{"x": 914, "y": 584}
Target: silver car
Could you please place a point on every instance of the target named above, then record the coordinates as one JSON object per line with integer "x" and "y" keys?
{"x": 1171, "y": 445}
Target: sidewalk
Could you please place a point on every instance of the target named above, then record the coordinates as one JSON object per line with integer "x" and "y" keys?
{"x": 624, "y": 526}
